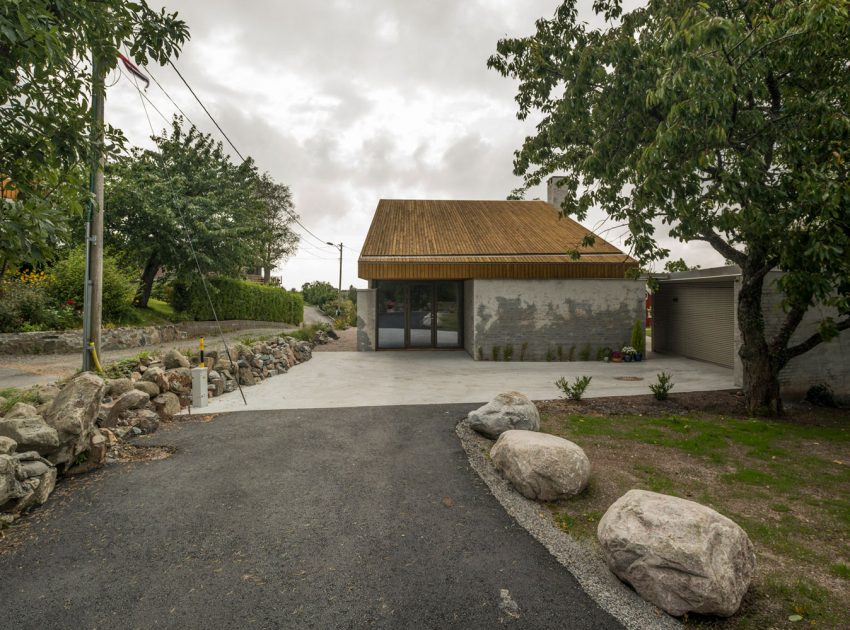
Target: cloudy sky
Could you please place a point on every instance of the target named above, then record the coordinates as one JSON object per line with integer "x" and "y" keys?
{"x": 349, "y": 101}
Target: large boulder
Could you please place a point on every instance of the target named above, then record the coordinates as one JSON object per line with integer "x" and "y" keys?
{"x": 507, "y": 411}
{"x": 117, "y": 386}
{"x": 680, "y": 555}
{"x": 30, "y": 434}
{"x": 38, "y": 479}
{"x": 541, "y": 466}
{"x": 303, "y": 351}
{"x": 21, "y": 410}
{"x": 174, "y": 359}
{"x": 167, "y": 404}
{"x": 95, "y": 454}
{"x": 156, "y": 375}
{"x": 151, "y": 389}
{"x": 133, "y": 399}
{"x": 73, "y": 415}
{"x": 10, "y": 479}
{"x": 179, "y": 380}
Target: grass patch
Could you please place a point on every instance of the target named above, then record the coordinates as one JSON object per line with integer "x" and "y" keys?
{"x": 786, "y": 484}
{"x": 14, "y": 395}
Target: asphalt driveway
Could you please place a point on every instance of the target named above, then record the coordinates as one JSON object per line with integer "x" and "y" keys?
{"x": 325, "y": 518}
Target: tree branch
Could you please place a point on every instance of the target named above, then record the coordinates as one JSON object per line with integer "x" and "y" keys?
{"x": 811, "y": 342}
{"x": 724, "y": 248}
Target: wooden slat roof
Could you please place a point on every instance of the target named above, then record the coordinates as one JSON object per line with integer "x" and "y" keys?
{"x": 471, "y": 234}
{"x": 405, "y": 227}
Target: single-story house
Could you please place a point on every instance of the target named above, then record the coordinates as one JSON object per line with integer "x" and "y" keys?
{"x": 694, "y": 315}
{"x": 494, "y": 278}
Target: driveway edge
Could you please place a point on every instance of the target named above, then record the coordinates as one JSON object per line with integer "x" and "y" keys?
{"x": 590, "y": 571}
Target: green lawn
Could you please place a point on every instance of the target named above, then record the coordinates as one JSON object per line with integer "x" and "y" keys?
{"x": 786, "y": 484}
{"x": 158, "y": 313}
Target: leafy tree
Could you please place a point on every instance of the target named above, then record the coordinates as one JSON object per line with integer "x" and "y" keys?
{"x": 45, "y": 120}
{"x": 729, "y": 122}
{"x": 318, "y": 292}
{"x": 275, "y": 240}
{"x": 187, "y": 185}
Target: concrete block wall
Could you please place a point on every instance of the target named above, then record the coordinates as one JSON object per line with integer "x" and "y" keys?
{"x": 468, "y": 316}
{"x": 546, "y": 314}
{"x": 828, "y": 362}
{"x": 366, "y": 313}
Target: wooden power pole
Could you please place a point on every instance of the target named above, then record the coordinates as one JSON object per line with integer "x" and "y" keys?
{"x": 93, "y": 290}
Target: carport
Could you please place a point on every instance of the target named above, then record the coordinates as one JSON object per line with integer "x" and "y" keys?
{"x": 694, "y": 316}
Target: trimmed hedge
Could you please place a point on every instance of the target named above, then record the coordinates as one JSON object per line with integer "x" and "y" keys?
{"x": 238, "y": 299}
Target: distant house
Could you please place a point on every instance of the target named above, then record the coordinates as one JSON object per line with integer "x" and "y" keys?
{"x": 492, "y": 277}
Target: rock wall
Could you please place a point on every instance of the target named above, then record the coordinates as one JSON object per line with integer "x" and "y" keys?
{"x": 70, "y": 341}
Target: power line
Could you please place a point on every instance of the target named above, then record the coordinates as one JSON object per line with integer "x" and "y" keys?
{"x": 186, "y": 83}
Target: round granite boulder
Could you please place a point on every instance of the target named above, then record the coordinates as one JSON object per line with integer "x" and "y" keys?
{"x": 541, "y": 466}
{"x": 509, "y": 410}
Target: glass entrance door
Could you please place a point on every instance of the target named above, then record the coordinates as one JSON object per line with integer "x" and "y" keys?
{"x": 419, "y": 314}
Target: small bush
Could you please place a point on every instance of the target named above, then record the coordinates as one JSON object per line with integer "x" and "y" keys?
{"x": 638, "y": 337}
{"x": 238, "y": 299}
{"x": 496, "y": 352}
{"x": 66, "y": 281}
{"x": 821, "y": 395}
{"x": 343, "y": 312}
{"x": 572, "y": 356}
{"x": 575, "y": 390}
{"x": 509, "y": 352}
{"x": 550, "y": 354}
{"x": 584, "y": 353}
{"x": 560, "y": 352}
{"x": 523, "y": 351}
{"x": 603, "y": 353}
{"x": 663, "y": 386}
{"x": 306, "y": 333}
{"x": 480, "y": 353}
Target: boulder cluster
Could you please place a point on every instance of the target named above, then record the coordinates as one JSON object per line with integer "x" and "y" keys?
{"x": 72, "y": 426}
{"x": 680, "y": 555}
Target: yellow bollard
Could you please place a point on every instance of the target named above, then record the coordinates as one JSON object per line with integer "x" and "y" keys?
{"x": 202, "y": 353}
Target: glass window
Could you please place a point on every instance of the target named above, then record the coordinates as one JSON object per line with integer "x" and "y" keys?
{"x": 392, "y": 309}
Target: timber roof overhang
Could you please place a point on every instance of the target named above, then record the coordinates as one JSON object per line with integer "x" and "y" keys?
{"x": 435, "y": 239}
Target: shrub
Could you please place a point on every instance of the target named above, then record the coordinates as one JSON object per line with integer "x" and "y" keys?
{"x": 821, "y": 395}
{"x": 550, "y": 354}
{"x": 26, "y": 306}
{"x": 318, "y": 292}
{"x": 663, "y": 386}
{"x": 343, "y": 312}
{"x": 603, "y": 353}
{"x": 66, "y": 282}
{"x": 509, "y": 352}
{"x": 584, "y": 353}
{"x": 238, "y": 299}
{"x": 573, "y": 391}
{"x": 496, "y": 352}
{"x": 572, "y": 353}
{"x": 523, "y": 351}
{"x": 638, "y": 337}
{"x": 560, "y": 352}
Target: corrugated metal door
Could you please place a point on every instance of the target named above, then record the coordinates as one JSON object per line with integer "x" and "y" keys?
{"x": 695, "y": 320}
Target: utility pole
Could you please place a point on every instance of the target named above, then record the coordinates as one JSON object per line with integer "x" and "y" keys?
{"x": 92, "y": 304}
{"x": 339, "y": 287}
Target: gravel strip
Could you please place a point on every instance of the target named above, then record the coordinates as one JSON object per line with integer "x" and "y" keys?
{"x": 586, "y": 566}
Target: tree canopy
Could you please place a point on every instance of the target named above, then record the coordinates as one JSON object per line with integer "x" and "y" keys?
{"x": 45, "y": 122}
{"x": 276, "y": 239}
{"x": 727, "y": 122}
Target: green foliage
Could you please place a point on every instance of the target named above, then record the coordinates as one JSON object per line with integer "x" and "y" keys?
{"x": 343, "y": 312}
{"x": 276, "y": 239}
{"x": 66, "y": 281}
{"x": 584, "y": 353}
{"x": 238, "y": 299}
{"x": 496, "y": 352}
{"x": 509, "y": 352}
{"x": 318, "y": 292}
{"x": 27, "y": 307}
{"x": 572, "y": 354}
{"x": 673, "y": 266}
{"x": 306, "y": 333}
{"x": 560, "y": 352}
{"x": 523, "y": 351}
{"x": 14, "y": 395}
{"x": 352, "y": 293}
{"x": 575, "y": 390}
{"x": 638, "y": 337}
{"x": 603, "y": 353}
{"x": 45, "y": 119}
{"x": 727, "y": 123}
{"x": 550, "y": 354}
{"x": 480, "y": 353}
{"x": 662, "y": 388}
{"x": 186, "y": 186}
{"x": 821, "y": 395}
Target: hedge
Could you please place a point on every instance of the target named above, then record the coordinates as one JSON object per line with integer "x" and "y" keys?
{"x": 238, "y": 299}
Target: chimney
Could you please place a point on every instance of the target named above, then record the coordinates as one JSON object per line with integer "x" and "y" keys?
{"x": 555, "y": 194}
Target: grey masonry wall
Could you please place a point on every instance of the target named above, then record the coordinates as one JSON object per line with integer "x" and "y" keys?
{"x": 826, "y": 363}
{"x": 366, "y": 313}
{"x": 469, "y": 316}
{"x": 547, "y": 314}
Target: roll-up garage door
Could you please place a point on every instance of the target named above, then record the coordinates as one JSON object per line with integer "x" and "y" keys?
{"x": 696, "y": 320}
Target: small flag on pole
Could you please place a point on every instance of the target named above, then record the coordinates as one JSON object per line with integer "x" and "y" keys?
{"x": 134, "y": 70}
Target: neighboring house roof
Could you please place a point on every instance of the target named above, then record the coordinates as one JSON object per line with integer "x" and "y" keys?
{"x": 434, "y": 239}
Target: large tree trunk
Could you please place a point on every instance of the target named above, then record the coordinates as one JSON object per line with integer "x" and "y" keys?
{"x": 761, "y": 368}
{"x": 267, "y": 274}
{"x": 146, "y": 284}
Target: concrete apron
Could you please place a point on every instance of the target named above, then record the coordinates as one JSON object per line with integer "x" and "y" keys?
{"x": 361, "y": 379}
